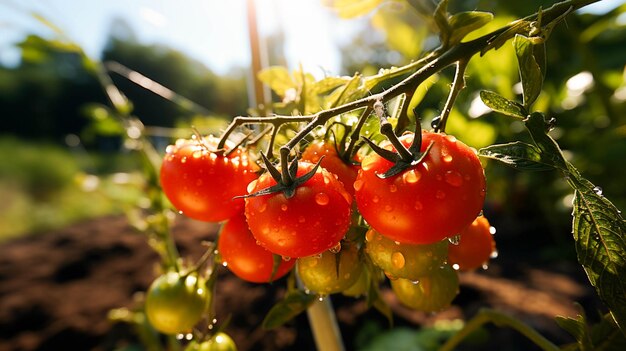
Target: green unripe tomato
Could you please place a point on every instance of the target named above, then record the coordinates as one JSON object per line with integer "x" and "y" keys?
{"x": 361, "y": 286}
{"x": 175, "y": 302}
{"x": 406, "y": 261}
{"x": 219, "y": 342}
{"x": 319, "y": 273}
{"x": 431, "y": 293}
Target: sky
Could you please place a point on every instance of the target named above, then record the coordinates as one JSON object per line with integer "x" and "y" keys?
{"x": 211, "y": 31}
{"x": 214, "y": 32}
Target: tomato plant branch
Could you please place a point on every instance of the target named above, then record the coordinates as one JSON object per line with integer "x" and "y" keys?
{"x": 457, "y": 85}
{"x": 386, "y": 129}
{"x": 354, "y": 136}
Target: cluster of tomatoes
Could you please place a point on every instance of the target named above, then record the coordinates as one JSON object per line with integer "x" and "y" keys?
{"x": 423, "y": 224}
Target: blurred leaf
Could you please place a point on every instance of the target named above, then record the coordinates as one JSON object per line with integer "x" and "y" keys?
{"x": 503, "y": 37}
{"x": 600, "y": 234}
{"x": 502, "y": 105}
{"x": 529, "y": 68}
{"x": 464, "y": 23}
{"x": 352, "y": 8}
{"x": 402, "y": 37}
{"x": 420, "y": 92}
{"x": 277, "y": 78}
{"x": 294, "y": 303}
{"x": 441, "y": 20}
{"x": 348, "y": 92}
{"x": 604, "y": 335}
{"x": 518, "y": 155}
{"x": 472, "y": 132}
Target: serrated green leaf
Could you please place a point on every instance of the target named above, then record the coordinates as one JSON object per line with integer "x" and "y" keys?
{"x": 278, "y": 79}
{"x": 502, "y": 105}
{"x": 600, "y": 235}
{"x": 352, "y": 8}
{"x": 441, "y": 20}
{"x": 518, "y": 155}
{"x": 464, "y": 23}
{"x": 538, "y": 128}
{"x": 529, "y": 69}
{"x": 294, "y": 303}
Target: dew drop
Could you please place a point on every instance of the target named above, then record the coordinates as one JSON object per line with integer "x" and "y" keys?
{"x": 183, "y": 160}
{"x": 258, "y": 243}
{"x": 281, "y": 242}
{"x": 284, "y": 207}
{"x": 393, "y": 188}
{"x": 301, "y": 219}
{"x": 375, "y": 199}
{"x": 251, "y": 186}
{"x": 447, "y": 158}
{"x": 492, "y": 230}
{"x": 322, "y": 199}
{"x": 418, "y": 206}
{"x": 262, "y": 208}
{"x": 335, "y": 248}
{"x": 597, "y": 190}
{"x": 453, "y": 178}
{"x": 396, "y": 242}
{"x": 199, "y": 182}
{"x": 485, "y": 266}
{"x": 388, "y": 208}
{"x": 170, "y": 149}
{"x": 225, "y": 264}
{"x": 440, "y": 194}
{"x": 326, "y": 179}
{"x": 180, "y": 142}
{"x": 397, "y": 260}
{"x": 494, "y": 254}
{"x": 415, "y": 282}
{"x": 180, "y": 336}
{"x": 369, "y": 236}
{"x": 180, "y": 212}
{"x": 197, "y": 154}
{"x": 265, "y": 231}
{"x": 451, "y": 138}
{"x": 411, "y": 176}
{"x": 320, "y": 298}
{"x": 456, "y": 267}
{"x": 425, "y": 166}
{"x": 455, "y": 240}
{"x": 286, "y": 258}
{"x": 435, "y": 122}
{"x": 391, "y": 276}
{"x": 358, "y": 184}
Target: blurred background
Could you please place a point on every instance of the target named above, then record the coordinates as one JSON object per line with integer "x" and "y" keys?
{"x": 65, "y": 159}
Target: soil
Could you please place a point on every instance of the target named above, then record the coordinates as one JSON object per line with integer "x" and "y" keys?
{"x": 57, "y": 288}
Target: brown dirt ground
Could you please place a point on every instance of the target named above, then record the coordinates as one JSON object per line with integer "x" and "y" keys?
{"x": 57, "y": 288}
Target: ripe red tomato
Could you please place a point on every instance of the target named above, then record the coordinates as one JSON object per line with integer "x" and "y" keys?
{"x": 175, "y": 302}
{"x": 425, "y": 203}
{"x": 332, "y": 162}
{"x": 244, "y": 257}
{"x": 201, "y": 183}
{"x": 430, "y": 293}
{"x": 475, "y": 246}
{"x": 312, "y": 221}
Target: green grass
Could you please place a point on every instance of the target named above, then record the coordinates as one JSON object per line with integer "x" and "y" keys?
{"x": 45, "y": 187}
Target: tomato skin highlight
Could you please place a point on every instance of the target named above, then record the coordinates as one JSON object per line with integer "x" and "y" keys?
{"x": 201, "y": 183}
{"x": 475, "y": 246}
{"x": 425, "y": 203}
{"x": 175, "y": 303}
{"x": 312, "y": 221}
{"x": 244, "y": 257}
{"x": 332, "y": 162}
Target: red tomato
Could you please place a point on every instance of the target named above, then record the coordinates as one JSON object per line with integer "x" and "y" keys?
{"x": 201, "y": 183}
{"x": 244, "y": 257}
{"x": 312, "y": 221}
{"x": 425, "y": 203}
{"x": 332, "y": 162}
{"x": 475, "y": 246}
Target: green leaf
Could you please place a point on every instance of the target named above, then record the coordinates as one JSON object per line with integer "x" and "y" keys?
{"x": 349, "y": 92}
{"x": 577, "y": 327}
{"x": 420, "y": 93}
{"x": 441, "y": 20}
{"x": 464, "y": 23}
{"x": 278, "y": 79}
{"x": 499, "y": 39}
{"x": 538, "y": 128}
{"x": 352, "y": 8}
{"x": 529, "y": 68}
{"x": 600, "y": 234}
{"x": 518, "y": 155}
{"x": 502, "y": 105}
{"x": 604, "y": 335}
{"x": 402, "y": 37}
{"x": 294, "y": 303}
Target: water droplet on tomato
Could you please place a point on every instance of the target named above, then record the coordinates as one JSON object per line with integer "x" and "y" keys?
{"x": 391, "y": 276}
{"x": 388, "y": 208}
{"x": 438, "y": 177}
{"x": 326, "y": 179}
{"x": 321, "y": 298}
{"x": 197, "y": 154}
{"x": 170, "y": 149}
{"x": 258, "y": 243}
{"x": 396, "y": 242}
{"x": 284, "y": 207}
{"x": 492, "y": 230}
{"x": 485, "y": 266}
{"x": 180, "y": 142}
{"x": 451, "y": 138}
{"x": 494, "y": 254}
{"x": 281, "y": 242}
{"x": 455, "y": 240}
{"x": 335, "y": 248}
{"x": 456, "y": 267}
{"x": 375, "y": 199}
{"x": 358, "y": 184}
{"x": 262, "y": 208}
{"x": 301, "y": 219}
{"x": 393, "y": 188}
{"x": 453, "y": 178}
{"x": 251, "y": 186}
{"x": 184, "y": 159}
{"x": 426, "y": 166}
{"x": 370, "y": 235}
{"x": 397, "y": 260}
{"x": 440, "y": 194}
{"x": 322, "y": 199}
{"x": 286, "y": 258}
{"x": 225, "y": 264}
{"x": 411, "y": 176}
{"x": 265, "y": 231}
{"x": 418, "y": 206}
{"x": 180, "y": 212}
{"x": 447, "y": 158}
{"x": 415, "y": 282}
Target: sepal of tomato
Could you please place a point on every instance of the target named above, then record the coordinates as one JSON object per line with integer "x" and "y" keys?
{"x": 202, "y": 183}
{"x": 475, "y": 246}
{"x": 244, "y": 257}
{"x": 427, "y": 202}
{"x": 310, "y": 222}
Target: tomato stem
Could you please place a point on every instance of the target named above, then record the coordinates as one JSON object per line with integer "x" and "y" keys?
{"x": 457, "y": 85}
